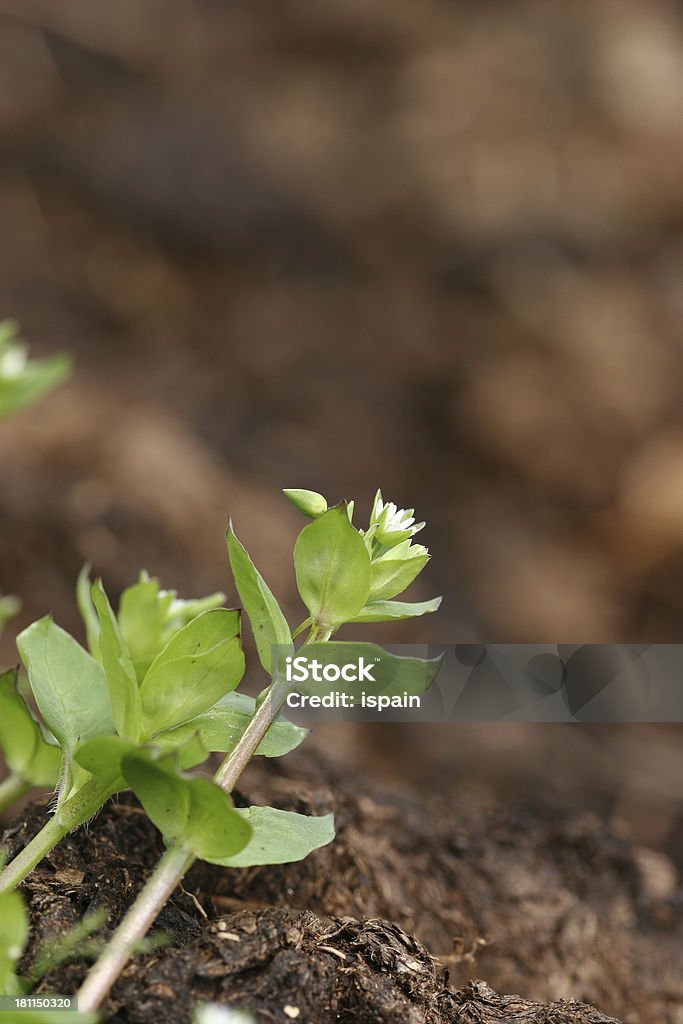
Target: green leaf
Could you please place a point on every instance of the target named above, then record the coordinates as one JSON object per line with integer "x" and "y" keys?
{"x": 396, "y": 570}
{"x": 183, "y": 610}
{"x": 188, "y": 810}
{"x": 142, "y": 613}
{"x": 87, "y": 610}
{"x": 69, "y": 686}
{"x": 279, "y": 837}
{"x": 385, "y": 611}
{"x": 221, "y": 726}
{"x": 198, "y": 666}
{"x": 26, "y": 750}
{"x": 267, "y": 621}
{"x": 310, "y": 503}
{"x": 118, "y": 667}
{"x": 332, "y": 568}
{"x": 13, "y": 936}
{"x": 103, "y": 757}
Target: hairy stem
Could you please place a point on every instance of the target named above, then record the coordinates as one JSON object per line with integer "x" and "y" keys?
{"x": 176, "y": 862}
{"x": 11, "y": 789}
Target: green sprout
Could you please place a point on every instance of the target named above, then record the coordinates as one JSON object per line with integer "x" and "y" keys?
{"x": 340, "y": 580}
{"x": 148, "y": 617}
{"x": 162, "y": 672}
{"x": 153, "y": 695}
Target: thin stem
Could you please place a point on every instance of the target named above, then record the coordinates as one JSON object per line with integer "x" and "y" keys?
{"x": 41, "y": 844}
{"x": 176, "y": 862}
{"x": 11, "y": 789}
{"x": 151, "y": 898}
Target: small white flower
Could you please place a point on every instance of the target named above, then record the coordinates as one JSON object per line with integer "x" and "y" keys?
{"x": 392, "y": 524}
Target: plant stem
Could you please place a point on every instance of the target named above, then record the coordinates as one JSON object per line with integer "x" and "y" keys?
{"x": 41, "y": 844}
{"x": 176, "y": 861}
{"x": 11, "y": 789}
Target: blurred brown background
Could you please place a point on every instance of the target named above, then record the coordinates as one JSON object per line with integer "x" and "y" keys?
{"x": 436, "y": 247}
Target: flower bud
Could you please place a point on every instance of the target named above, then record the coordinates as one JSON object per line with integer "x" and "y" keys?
{"x": 310, "y": 503}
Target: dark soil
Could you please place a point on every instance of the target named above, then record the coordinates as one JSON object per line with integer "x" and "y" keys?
{"x": 418, "y": 895}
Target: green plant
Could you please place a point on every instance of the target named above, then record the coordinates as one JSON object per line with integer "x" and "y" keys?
{"x": 342, "y": 575}
{"x": 160, "y": 672}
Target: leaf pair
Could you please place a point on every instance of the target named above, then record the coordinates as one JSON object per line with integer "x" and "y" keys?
{"x": 196, "y": 814}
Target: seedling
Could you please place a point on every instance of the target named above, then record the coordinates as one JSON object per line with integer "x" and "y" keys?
{"x": 343, "y": 575}
{"x": 157, "y": 673}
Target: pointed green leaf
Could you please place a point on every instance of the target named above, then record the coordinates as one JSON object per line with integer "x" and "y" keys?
{"x": 268, "y": 624}
{"x": 279, "y": 837}
{"x": 116, "y": 661}
{"x": 385, "y": 611}
{"x": 69, "y": 686}
{"x": 141, "y": 619}
{"x": 221, "y": 726}
{"x": 198, "y": 666}
{"x": 332, "y": 568}
{"x": 23, "y": 744}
